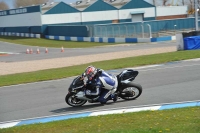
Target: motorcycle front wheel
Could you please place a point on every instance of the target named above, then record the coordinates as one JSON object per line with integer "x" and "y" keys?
{"x": 71, "y": 100}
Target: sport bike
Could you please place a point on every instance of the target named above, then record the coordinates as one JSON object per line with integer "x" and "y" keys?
{"x": 126, "y": 89}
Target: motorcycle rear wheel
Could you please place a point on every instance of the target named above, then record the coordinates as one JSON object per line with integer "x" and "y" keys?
{"x": 132, "y": 88}
{"x": 71, "y": 100}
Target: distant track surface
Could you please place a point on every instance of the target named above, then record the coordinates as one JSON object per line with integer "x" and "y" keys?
{"x": 69, "y": 52}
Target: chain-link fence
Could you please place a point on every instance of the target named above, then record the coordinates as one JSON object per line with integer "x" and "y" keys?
{"x": 145, "y": 29}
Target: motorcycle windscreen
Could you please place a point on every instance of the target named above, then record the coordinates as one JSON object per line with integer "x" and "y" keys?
{"x": 77, "y": 82}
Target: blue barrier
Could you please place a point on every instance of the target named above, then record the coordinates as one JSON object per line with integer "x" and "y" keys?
{"x": 191, "y": 43}
{"x": 20, "y": 34}
{"x": 111, "y": 40}
{"x": 188, "y": 40}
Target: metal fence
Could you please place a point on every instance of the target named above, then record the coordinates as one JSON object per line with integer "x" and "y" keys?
{"x": 146, "y": 29}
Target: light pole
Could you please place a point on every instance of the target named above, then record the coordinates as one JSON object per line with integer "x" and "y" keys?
{"x": 196, "y": 15}
{"x": 142, "y": 30}
{"x": 150, "y": 35}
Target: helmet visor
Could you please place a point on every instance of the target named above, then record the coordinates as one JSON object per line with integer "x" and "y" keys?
{"x": 90, "y": 75}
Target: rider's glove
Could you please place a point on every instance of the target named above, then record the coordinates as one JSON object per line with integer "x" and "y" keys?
{"x": 99, "y": 71}
{"x": 83, "y": 75}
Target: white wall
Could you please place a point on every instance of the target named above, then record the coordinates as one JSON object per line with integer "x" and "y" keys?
{"x": 61, "y": 18}
{"x": 171, "y": 10}
{"x": 99, "y": 16}
{"x": 148, "y": 12}
{"x": 28, "y": 19}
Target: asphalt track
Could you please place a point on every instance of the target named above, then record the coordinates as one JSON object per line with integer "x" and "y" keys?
{"x": 165, "y": 83}
{"x": 20, "y": 51}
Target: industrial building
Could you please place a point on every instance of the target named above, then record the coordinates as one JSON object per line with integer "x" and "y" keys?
{"x": 81, "y": 18}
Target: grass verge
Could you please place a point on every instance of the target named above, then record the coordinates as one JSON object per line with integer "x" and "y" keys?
{"x": 59, "y": 73}
{"x": 51, "y": 43}
{"x": 182, "y": 120}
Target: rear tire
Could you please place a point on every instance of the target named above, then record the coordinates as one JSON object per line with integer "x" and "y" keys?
{"x": 71, "y": 100}
{"x": 135, "y": 89}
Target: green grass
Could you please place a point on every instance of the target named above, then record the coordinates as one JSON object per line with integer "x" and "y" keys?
{"x": 51, "y": 43}
{"x": 184, "y": 120}
{"x": 59, "y": 73}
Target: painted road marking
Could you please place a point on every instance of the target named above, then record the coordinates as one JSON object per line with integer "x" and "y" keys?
{"x": 101, "y": 112}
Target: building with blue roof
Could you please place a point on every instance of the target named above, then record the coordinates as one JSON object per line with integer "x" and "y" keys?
{"x": 89, "y": 12}
{"x": 60, "y": 18}
{"x": 137, "y": 11}
{"x": 60, "y": 13}
{"x": 99, "y": 12}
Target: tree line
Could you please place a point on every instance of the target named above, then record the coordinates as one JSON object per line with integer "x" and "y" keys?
{"x": 22, "y": 3}
{"x": 173, "y": 2}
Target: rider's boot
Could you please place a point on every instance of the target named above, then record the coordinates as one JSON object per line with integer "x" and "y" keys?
{"x": 114, "y": 97}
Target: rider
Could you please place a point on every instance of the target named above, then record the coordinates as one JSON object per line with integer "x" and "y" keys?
{"x": 105, "y": 84}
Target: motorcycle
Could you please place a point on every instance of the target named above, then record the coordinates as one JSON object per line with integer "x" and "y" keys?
{"x": 127, "y": 89}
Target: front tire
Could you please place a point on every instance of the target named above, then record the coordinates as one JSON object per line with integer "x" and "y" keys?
{"x": 71, "y": 100}
{"x": 134, "y": 89}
